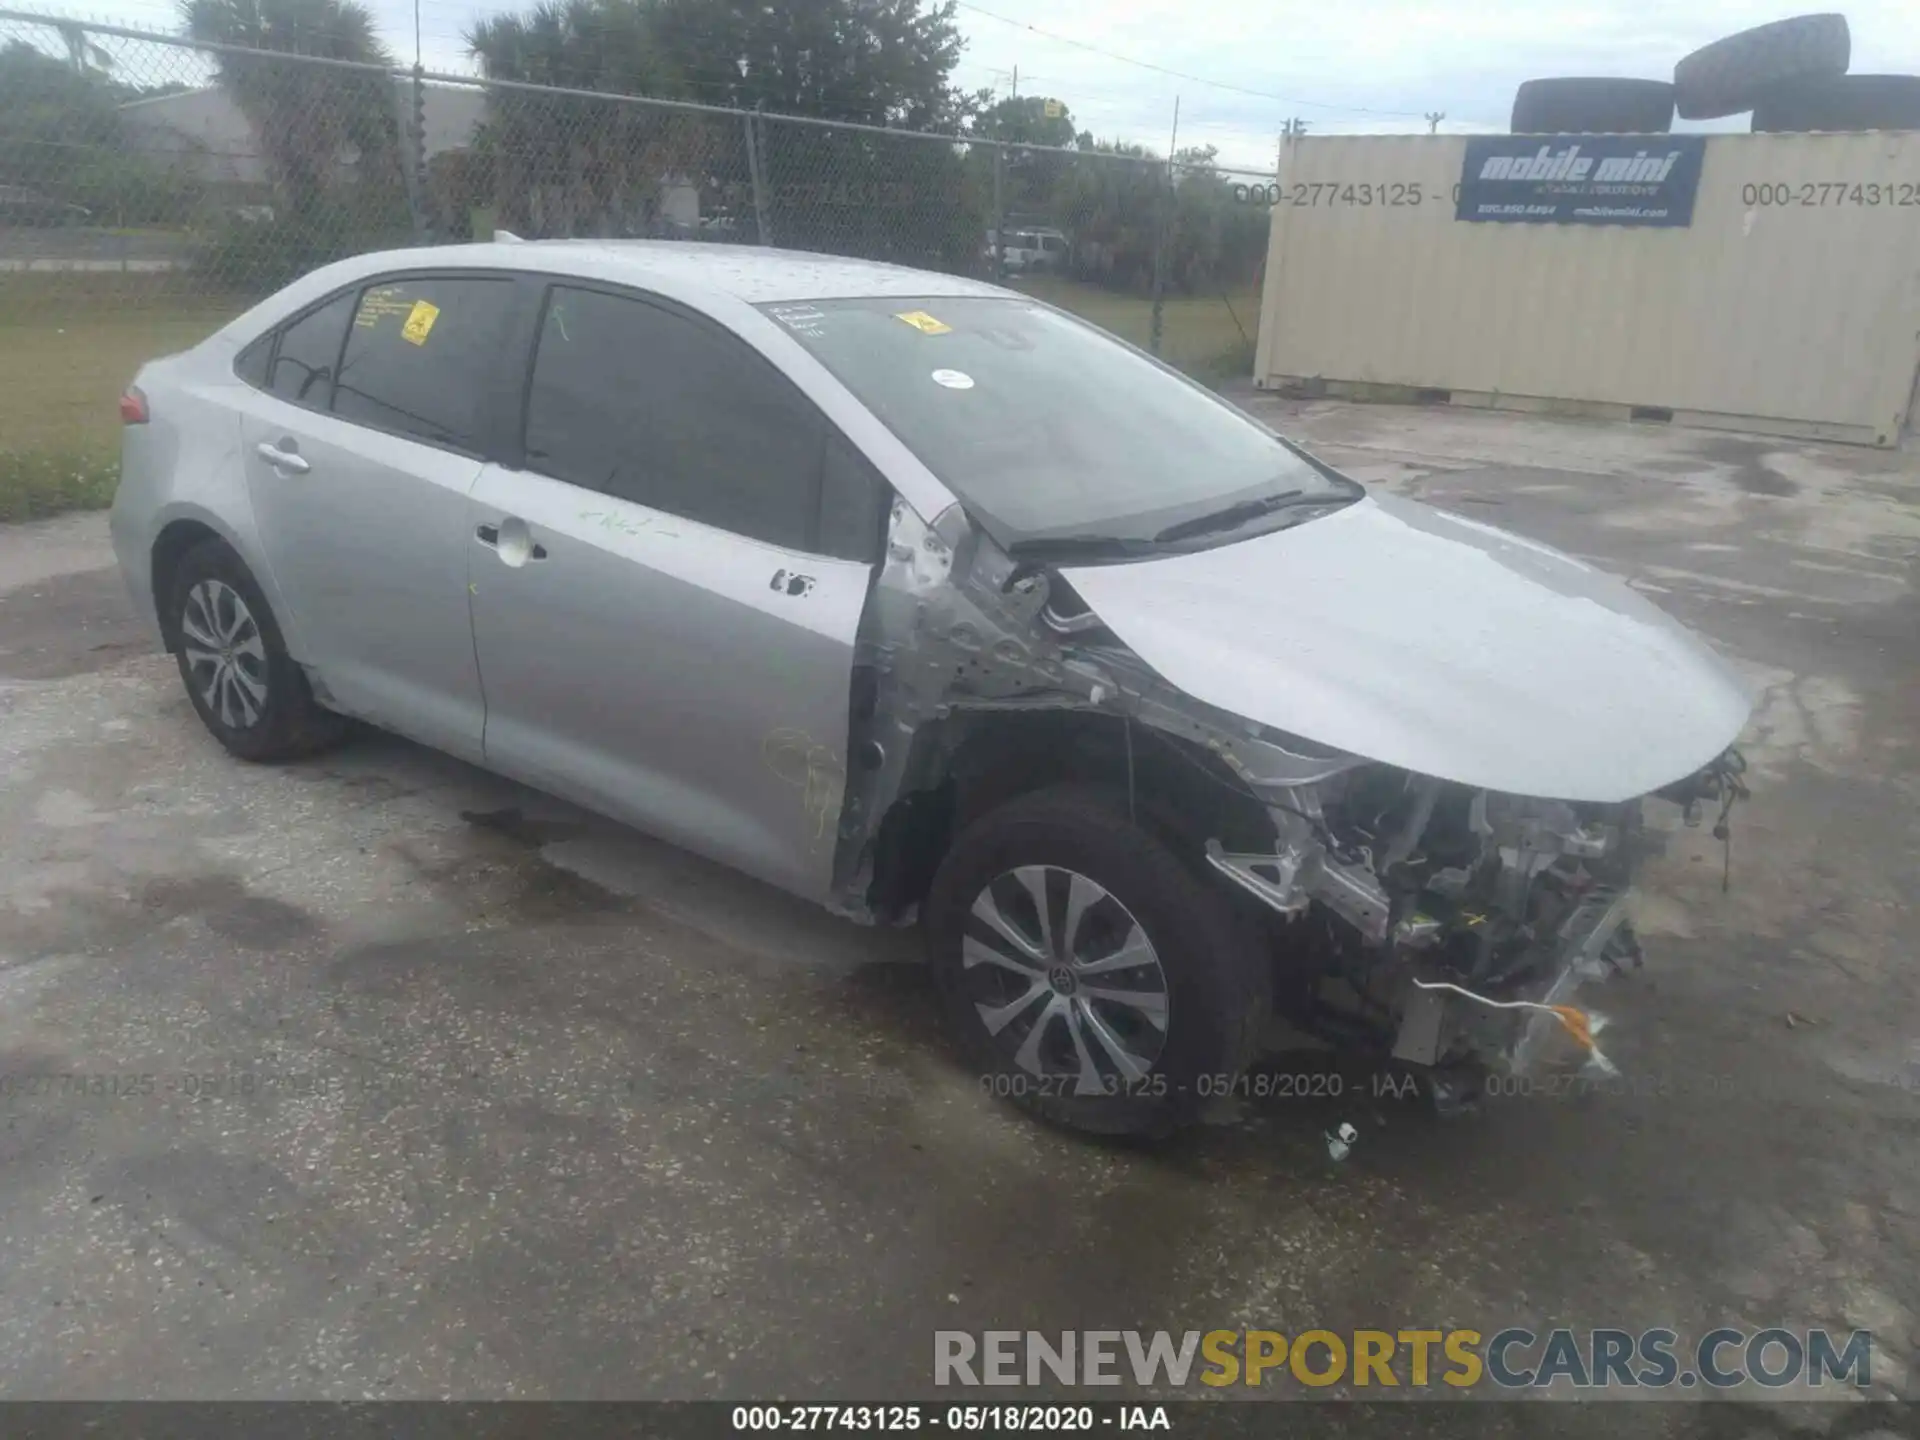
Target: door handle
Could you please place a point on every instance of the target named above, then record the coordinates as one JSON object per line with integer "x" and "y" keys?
{"x": 287, "y": 462}
{"x": 510, "y": 541}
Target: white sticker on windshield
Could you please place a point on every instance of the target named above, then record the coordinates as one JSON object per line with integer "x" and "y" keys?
{"x": 804, "y": 319}
{"x": 953, "y": 379}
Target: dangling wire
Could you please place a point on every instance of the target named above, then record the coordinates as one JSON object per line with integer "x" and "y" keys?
{"x": 1582, "y": 1025}
{"x": 1729, "y": 770}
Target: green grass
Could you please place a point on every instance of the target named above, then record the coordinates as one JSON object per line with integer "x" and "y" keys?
{"x": 68, "y": 346}
{"x": 39, "y": 483}
{"x": 1208, "y": 336}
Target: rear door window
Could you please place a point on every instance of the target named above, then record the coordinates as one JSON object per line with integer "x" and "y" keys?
{"x": 251, "y": 364}
{"x": 309, "y": 349}
{"x": 421, "y": 356}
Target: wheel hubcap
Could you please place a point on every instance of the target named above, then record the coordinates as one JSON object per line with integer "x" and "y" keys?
{"x": 1065, "y": 980}
{"x": 225, "y": 653}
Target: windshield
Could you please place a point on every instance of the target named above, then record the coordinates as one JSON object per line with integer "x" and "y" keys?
{"x": 1047, "y": 430}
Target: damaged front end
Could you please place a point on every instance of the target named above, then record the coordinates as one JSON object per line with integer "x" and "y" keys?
{"x": 1452, "y": 926}
{"x": 1434, "y": 923}
{"x": 1444, "y": 925}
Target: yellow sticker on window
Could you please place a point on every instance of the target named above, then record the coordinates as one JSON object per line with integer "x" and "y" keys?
{"x": 419, "y": 322}
{"x": 922, "y": 321}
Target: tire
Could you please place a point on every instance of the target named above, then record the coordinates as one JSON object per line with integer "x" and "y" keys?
{"x": 1593, "y": 105}
{"x": 1731, "y": 75}
{"x": 1841, "y": 102}
{"x": 257, "y": 702}
{"x": 1201, "y": 960}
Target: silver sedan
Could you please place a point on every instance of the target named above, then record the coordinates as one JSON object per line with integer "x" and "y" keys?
{"x": 925, "y": 600}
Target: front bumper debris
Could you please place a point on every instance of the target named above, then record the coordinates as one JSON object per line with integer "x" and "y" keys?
{"x": 1514, "y": 1030}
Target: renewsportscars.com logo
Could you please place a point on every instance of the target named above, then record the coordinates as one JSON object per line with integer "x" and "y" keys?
{"x": 1511, "y": 1359}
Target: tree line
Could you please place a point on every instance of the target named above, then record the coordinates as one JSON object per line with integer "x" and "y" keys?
{"x": 554, "y": 164}
{"x": 60, "y": 136}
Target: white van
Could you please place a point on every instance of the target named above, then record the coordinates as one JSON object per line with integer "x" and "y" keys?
{"x": 1040, "y": 248}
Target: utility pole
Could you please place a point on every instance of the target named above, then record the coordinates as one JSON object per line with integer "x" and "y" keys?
{"x": 1016, "y": 82}
{"x": 1434, "y": 117}
{"x": 1295, "y": 126}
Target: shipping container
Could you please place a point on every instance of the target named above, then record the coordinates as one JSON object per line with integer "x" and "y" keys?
{"x": 1789, "y": 303}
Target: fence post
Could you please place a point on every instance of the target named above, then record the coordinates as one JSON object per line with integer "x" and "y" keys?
{"x": 999, "y": 212}
{"x": 1161, "y": 237}
{"x": 420, "y": 152}
{"x": 411, "y": 102}
{"x": 1160, "y": 267}
{"x": 759, "y": 181}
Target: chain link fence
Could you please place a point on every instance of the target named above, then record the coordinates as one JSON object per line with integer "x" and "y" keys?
{"x": 152, "y": 187}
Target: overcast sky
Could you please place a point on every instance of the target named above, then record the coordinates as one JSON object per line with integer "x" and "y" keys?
{"x": 1341, "y": 65}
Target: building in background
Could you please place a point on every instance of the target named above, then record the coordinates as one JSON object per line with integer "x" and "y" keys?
{"x": 205, "y": 132}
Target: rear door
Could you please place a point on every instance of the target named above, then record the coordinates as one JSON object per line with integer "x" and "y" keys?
{"x": 668, "y": 594}
{"x": 360, "y": 449}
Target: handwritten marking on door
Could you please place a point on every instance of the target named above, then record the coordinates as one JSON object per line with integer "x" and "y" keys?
{"x": 818, "y": 771}
{"x": 629, "y": 524}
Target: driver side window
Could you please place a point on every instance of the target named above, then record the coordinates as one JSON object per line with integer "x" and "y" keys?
{"x": 642, "y": 402}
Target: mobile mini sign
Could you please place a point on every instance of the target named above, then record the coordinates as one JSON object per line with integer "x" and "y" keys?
{"x": 1581, "y": 179}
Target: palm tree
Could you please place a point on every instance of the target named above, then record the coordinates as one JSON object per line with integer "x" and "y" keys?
{"x": 306, "y": 118}
{"x": 564, "y": 165}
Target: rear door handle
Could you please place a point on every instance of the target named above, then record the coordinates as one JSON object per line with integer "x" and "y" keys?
{"x": 287, "y": 462}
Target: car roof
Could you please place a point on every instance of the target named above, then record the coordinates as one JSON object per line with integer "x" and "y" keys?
{"x": 752, "y": 273}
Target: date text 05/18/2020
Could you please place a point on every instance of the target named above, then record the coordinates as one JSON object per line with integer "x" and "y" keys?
{"x": 962, "y": 1419}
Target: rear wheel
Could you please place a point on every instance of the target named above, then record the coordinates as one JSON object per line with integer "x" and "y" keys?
{"x": 1088, "y": 974}
{"x": 248, "y": 691}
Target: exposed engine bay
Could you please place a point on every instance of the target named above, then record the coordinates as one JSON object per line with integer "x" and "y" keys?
{"x": 1413, "y": 892}
{"x": 1437, "y": 922}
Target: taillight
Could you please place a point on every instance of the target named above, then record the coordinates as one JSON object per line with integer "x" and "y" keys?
{"x": 133, "y": 406}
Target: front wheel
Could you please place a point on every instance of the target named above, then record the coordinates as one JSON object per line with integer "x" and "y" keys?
{"x": 1087, "y": 973}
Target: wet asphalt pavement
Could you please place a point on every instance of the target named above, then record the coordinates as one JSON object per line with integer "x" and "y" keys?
{"x": 393, "y": 1079}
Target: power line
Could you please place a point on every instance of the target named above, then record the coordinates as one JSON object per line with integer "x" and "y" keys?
{"x": 1182, "y": 74}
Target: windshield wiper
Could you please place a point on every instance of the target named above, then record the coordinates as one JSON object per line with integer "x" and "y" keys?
{"x": 1230, "y": 517}
{"x": 1098, "y": 547}
{"x": 1092, "y": 547}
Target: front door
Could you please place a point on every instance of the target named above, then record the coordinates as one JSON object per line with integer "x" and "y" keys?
{"x": 663, "y": 630}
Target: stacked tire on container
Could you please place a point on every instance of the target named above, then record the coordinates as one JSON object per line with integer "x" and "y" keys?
{"x": 1792, "y": 74}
